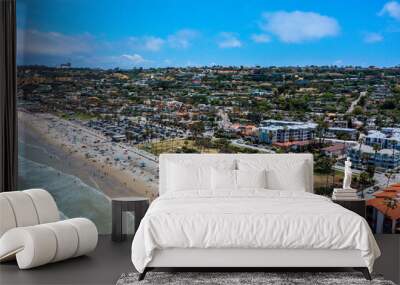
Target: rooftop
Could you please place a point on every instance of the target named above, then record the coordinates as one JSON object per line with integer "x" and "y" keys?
{"x": 274, "y": 125}
{"x": 376, "y": 135}
{"x": 391, "y": 192}
{"x": 369, "y": 149}
{"x": 342, "y": 129}
{"x": 335, "y": 147}
{"x": 390, "y": 135}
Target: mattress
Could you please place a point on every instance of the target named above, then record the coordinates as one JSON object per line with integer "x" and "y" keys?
{"x": 251, "y": 219}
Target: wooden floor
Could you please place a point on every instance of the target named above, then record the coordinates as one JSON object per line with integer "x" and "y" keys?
{"x": 111, "y": 259}
{"x": 389, "y": 263}
{"x": 103, "y": 266}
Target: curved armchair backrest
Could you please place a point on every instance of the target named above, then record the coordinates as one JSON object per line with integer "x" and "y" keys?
{"x": 26, "y": 208}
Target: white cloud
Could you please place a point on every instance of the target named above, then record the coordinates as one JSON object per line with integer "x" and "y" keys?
{"x": 298, "y": 26}
{"x": 153, "y": 43}
{"x": 53, "y": 43}
{"x": 392, "y": 9}
{"x": 182, "y": 38}
{"x": 261, "y": 38}
{"x": 167, "y": 61}
{"x": 228, "y": 40}
{"x": 134, "y": 58}
{"x": 111, "y": 61}
{"x": 338, "y": 62}
{"x": 146, "y": 43}
{"x": 371, "y": 38}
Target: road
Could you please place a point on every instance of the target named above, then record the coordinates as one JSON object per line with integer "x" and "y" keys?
{"x": 355, "y": 102}
{"x": 239, "y": 143}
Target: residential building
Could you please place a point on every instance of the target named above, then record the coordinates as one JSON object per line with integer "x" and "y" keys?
{"x": 364, "y": 155}
{"x": 386, "y": 138}
{"x": 347, "y": 133}
{"x": 382, "y": 212}
{"x": 274, "y": 131}
{"x": 335, "y": 150}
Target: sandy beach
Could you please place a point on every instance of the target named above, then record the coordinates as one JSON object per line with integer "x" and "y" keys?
{"x": 116, "y": 170}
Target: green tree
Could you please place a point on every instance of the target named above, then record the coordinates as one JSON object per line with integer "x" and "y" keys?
{"x": 358, "y": 110}
{"x": 363, "y": 180}
{"x": 371, "y": 171}
{"x": 321, "y": 129}
{"x": 197, "y": 129}
{"x": 377, "y": 148}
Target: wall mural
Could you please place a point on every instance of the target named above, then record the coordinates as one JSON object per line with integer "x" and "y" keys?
{"x": 102, "y": 91}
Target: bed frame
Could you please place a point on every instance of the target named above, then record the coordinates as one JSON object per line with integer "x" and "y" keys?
{"x": 255, "y": 259}
{"x": 242, "y": 259}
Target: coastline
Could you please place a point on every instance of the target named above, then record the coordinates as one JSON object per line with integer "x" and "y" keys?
{"x": 67, "y": 150}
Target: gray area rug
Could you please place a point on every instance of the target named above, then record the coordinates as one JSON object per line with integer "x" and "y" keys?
{"x": 236, "y": 278}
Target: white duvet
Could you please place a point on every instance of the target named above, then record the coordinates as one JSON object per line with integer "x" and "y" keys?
{"x": 250, "y": 219}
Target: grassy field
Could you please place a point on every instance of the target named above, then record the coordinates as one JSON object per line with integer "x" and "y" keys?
{"x": 78, "y": 116}
{"x": 320, "y": 179}
{"x": 190, "y": 146}
{"x": 173, "y": 146}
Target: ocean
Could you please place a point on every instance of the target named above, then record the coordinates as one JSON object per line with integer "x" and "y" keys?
{"x": 74, "y": 198}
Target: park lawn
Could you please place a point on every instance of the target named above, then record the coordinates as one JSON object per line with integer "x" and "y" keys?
{"x": 78, "y": 116}
{"x": 320, "y": 179}
{"x": 171, "y": 146}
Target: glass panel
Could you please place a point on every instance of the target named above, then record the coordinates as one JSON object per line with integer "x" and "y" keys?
{"x": 104, "y": 88}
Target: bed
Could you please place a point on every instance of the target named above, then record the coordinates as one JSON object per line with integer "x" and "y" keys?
{"x": 245, "y": 211}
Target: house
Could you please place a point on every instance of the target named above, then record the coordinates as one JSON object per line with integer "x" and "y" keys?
{"x": 386, "y": 207}
{"x": 336, "y": 150}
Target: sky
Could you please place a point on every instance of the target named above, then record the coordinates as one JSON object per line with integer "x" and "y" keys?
{"x": 162, "y": 33}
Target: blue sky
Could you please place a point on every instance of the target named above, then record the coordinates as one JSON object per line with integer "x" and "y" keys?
{"x": 159, "y": 33}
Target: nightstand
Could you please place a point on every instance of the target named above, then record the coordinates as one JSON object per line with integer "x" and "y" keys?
{"x": 357, "y": 206}
{"x": 137, "y": 205}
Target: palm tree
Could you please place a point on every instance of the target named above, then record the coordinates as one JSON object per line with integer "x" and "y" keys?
{"x": 334, "y": 160}
{"x": 325, "y": 166}
{"x": 393, "y": 151}
{"x": 322, "y": 126}
{"x": 162, "y": 149}
{"x": 360, "y": 143}
{"x": 391, "y": 203}
{"x": 376, "y": 148}
{"x": 270, "y": 136}
{"x": 364, "y": 159}
{"x": 389, "y": 174}
{"x": 363, "y": 180}
{"x": 197, "y": 129}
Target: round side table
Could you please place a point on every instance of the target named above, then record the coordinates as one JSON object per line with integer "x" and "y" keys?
{"x": 137, "y": 205}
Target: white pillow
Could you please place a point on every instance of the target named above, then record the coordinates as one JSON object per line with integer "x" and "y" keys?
{"x": 188, "y": 177}
{"x": 282, "y": 173}
{"x": 288, "y": 176}
{"x": 223, "y": 179}
{"x": 251, "y": 179}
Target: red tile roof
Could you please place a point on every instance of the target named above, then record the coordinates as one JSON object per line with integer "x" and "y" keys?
{"x": 393, "y": 191}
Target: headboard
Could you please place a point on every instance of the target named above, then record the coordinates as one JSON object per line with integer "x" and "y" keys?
{"x": 211, "y": 159}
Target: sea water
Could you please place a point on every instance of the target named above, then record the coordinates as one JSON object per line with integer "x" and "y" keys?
{"x": 74, "y": 198}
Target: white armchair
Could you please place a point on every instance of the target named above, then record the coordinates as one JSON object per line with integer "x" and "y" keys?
{"x": 31, "y": 232}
